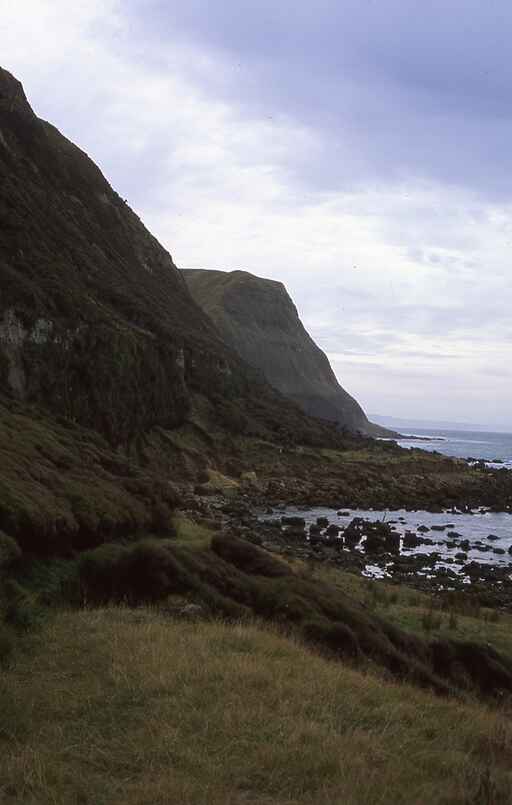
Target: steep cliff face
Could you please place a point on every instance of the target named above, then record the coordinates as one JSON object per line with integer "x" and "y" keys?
{"x": 96, "y": 323}
{"x": 257, "y": 317}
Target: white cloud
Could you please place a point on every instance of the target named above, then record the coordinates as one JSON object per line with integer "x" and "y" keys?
{"x": 386, "y": 279}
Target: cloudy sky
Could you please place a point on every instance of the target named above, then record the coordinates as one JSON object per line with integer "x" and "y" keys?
{"x": 357, "y": 150}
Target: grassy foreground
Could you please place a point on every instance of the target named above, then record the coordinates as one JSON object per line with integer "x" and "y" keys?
{"x": 125, "y": 706}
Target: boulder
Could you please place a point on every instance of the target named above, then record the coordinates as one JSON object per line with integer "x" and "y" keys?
{"x": 298, "y": 522}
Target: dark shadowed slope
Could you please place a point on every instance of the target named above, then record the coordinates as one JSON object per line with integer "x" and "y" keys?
{"x": 96, "y": 322}
{"x": 257, "y": 317}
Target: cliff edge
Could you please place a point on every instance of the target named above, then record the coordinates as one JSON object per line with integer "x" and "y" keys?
{"x": 258, "y": 318}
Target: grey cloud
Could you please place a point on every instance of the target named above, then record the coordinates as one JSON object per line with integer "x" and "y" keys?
{"x": 400, "y": 88}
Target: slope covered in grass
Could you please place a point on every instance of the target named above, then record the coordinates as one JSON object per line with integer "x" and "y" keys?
{"x": 120, "y": 706}
{"x": 62, "y": 488}
{"x": 236, "y": 579}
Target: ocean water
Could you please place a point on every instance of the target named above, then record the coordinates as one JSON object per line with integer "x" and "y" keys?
{"x": 493, "y": 448}
{"x": 475, "y": 527}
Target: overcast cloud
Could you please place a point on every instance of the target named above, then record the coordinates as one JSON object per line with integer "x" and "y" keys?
{"x": 357, "y": 151}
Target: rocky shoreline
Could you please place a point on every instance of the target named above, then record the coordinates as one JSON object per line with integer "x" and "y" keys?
{"x": 435, "y": 558}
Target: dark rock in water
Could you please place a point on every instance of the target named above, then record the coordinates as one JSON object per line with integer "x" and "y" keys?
{"x": 461, "y": 556}
{"x": 381, "y": 537}
{"x": 493, "y": 537}
{"x": 423, "y": 529}
{"x": 464, "y": 544}
{"x": 343, "y": 514}
{"x": 323, "y": 522}
{"x": 411, "y": 540}
{"x": 294, "y": 532}
{"x": 314, "y": 528}
{"x": 354, "y": 531}
{"x": 498, "y": 551}
{"x": 437, "y": 528}
{"x": 332, "y": 530}
{"x": 453, "y": 534}
{"x": 293, "y": 521}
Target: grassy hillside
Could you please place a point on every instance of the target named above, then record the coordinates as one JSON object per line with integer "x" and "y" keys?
{"x": 62, "y": 488}
{"x": 231, "y": 578}
{"x": 130, "y": 707}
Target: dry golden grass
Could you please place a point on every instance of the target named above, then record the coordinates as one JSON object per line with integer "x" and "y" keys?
{"x": 122, "y": 706}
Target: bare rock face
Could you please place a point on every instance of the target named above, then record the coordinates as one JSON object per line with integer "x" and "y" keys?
{"x": 258, "y": 318}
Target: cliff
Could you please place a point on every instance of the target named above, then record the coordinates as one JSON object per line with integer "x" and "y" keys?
{"x": 96, "y": 323}
{"x": 258, "y": 318}
{"x": 112, "y": 378}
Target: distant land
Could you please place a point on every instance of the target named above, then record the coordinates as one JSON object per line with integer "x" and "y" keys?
{"x": 410, "y": 424}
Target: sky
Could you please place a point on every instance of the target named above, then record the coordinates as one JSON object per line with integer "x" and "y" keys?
{"x": 356, "y": 150}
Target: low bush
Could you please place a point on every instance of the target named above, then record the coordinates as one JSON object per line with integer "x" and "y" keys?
{"x": 6, "y": 643}
{"x": 249, "y": 557}
{"x": 10, "y": 551}
{"x": 338, "y": 638}
{"x": 22, "y": 610}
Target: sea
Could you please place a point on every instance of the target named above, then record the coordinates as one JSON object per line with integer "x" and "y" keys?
{"x": 490, "y": 533}
{"x": 493, "y": 448}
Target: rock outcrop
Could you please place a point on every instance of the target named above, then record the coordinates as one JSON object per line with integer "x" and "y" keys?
{"x": 258, "y": 318}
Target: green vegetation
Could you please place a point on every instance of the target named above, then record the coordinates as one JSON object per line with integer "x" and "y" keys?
{"x": 191, "y": 534}
{"x": 128, "y": 707}
{"x": 454, "y": 615}
{"x": 237, "y": 580}
{"x": 62, "y": 488}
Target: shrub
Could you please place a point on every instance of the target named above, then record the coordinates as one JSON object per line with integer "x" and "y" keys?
{"x": 148, "y": 572}
{"x": 336, "y": 637}
{"x": 6, "y": 643}
{"x": 249, "y": 557}
{"x": 10, "y": 551}
{"x": 145, "y": 571}
{"x": 98, "y": 572}
{"x": 21, "y": 608}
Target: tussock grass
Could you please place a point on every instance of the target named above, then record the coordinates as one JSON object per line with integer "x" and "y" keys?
{"x": 190, "y": 533}
{"x": 63, "y": 489}
{"x": 236, "y": 579}
{"x": 457, "y": 616}
{"x": 124, "y": 706}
